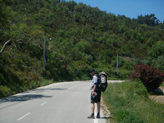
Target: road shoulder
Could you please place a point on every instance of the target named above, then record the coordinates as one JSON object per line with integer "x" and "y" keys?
{"x": 106, "y": 112}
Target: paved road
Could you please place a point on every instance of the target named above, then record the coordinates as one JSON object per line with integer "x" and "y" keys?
{"x": 115, "y": 81}
{"x": 67, "y": 102}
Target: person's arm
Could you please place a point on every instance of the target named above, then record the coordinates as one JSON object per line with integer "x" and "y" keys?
{"x": 94, "y": 88}
{"x": 95, "y": 85}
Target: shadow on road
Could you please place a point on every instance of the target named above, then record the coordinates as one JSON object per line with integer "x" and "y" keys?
{"x": 24, "y": 97}
{"x": 44, "y": 89}
{"x": 19, "y": 98}
{"x": 105, "y": 117}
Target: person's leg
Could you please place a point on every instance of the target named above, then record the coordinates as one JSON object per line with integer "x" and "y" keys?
{"x": 98, "y": 110}
{"x": 98, "y": 107}
{"x": 92, "y": 110}
{"x": 92, "y": 107}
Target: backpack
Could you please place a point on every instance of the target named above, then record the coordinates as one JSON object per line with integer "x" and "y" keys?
{"x": 102, "y": 80}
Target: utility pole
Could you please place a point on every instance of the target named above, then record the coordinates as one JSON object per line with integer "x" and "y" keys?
{"x": 117, "y": 65}
{"x": 44, "y": 53}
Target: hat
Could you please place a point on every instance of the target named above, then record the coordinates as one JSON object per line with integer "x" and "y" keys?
{"x": 91, "y": 70}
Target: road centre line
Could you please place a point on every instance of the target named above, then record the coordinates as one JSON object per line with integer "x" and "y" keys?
{"x": 54, "y": 96}
{"x": 23, "y": 116}
{"x": 75, "y": 86}
{"x": 43, "y": 103}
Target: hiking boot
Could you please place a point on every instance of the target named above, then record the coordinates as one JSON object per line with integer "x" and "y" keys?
{"x": 91, "y": 117}
{"x": 98, "y": 116}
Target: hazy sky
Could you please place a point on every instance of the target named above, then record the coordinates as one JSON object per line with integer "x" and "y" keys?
{"x": 129, "y": 8}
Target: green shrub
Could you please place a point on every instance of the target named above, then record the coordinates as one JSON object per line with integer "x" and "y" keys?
{"x": 159, "y": 63}
{"x": 157, "y": 50}
{"x": 128, "y": 65}
{"x": 123, "y": 74}
{"x": 140, "y": 89}
{"x": 60, "y": 32}
{"x": 150, "y": 42}
{"x": 120, "y": 62}
{"x": 139, "y": 61}
{"x": 4, "y": 91}
{"x": 18, "y": 62}
{"x": 4, "y": 58}
{"x": 2, "y": 80}
{"x": 32, "y": 85}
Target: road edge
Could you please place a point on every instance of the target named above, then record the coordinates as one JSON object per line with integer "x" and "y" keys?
{"x": 105, "y": 110}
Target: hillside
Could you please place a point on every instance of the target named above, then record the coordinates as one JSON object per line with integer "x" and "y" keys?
{"x": 82, "y": 37}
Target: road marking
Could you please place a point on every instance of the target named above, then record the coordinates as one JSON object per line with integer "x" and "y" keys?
{"x": 75, "y": 86}
{"x": 95, "y": 120}
{"x": 54, "y": 96}
{"x": 43, "y": 103}
{"x": 23, "y": 116}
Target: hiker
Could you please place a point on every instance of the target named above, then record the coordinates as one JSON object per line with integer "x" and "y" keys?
{"x": 95, "y": 94}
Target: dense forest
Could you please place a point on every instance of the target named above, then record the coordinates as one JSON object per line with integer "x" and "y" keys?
{"x": 78, "y": 37}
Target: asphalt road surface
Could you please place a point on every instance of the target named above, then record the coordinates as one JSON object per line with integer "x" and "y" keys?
{"x": 67, "y": 102}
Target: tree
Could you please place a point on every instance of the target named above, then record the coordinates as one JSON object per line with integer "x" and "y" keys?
{"x": 4, "y": 46}
{"x": 150, "y": 42}
{"x": 4, "y": 15}
{"x": 159, "y": 63}
{"x": 157, "y": 50}
{"x": 150, "y": 20}
{"x": 21, "y": 36}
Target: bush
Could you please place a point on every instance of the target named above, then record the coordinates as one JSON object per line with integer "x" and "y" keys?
{"x": 158, "y": 63}
{"x": 4, "y": 91}
{"x": 157, "y": 50}
{"x": 2, "y": 80}
{"x": 120, "y": 62}
{"x": 151, "y": 77}
{"x": 128, "y": 65}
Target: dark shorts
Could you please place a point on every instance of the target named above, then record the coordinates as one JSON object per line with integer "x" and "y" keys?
{"x": 97, "y": 97}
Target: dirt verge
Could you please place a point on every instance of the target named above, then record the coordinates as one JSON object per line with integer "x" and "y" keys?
{"x": 107, "y": 114}
{"x": 158, "y": 98}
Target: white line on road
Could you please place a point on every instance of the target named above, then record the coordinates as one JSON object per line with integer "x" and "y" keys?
{"x": 115, "y": 81}
{"x": 54, "y": 96}
{"x": 75, "y": 86}
{"x": 23, "y": 116}
{"x": 95, "y": 120}
{"x": 43, "y": 103}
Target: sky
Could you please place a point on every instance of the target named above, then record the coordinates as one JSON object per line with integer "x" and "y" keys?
{"x": 129, "y": 8}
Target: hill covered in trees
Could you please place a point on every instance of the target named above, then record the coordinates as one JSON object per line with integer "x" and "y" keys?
{"x": 81, "y": 36}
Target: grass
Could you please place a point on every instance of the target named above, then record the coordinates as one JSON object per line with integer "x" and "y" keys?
{"x": 162, "y": 85}
{"x": 128, "y": 102}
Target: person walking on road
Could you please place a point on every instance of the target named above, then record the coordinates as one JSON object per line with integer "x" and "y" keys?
{"x": 95, "y": 94}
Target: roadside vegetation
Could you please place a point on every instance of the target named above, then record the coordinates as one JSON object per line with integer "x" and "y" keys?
{"x": 78, "y": 37}
{"x": 128, "y": 102}
{"x": 131, "y": 102}
{"x": 162, "y": 85}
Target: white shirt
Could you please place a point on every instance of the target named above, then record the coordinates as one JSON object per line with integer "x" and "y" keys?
{"x": 94, "y": 80}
